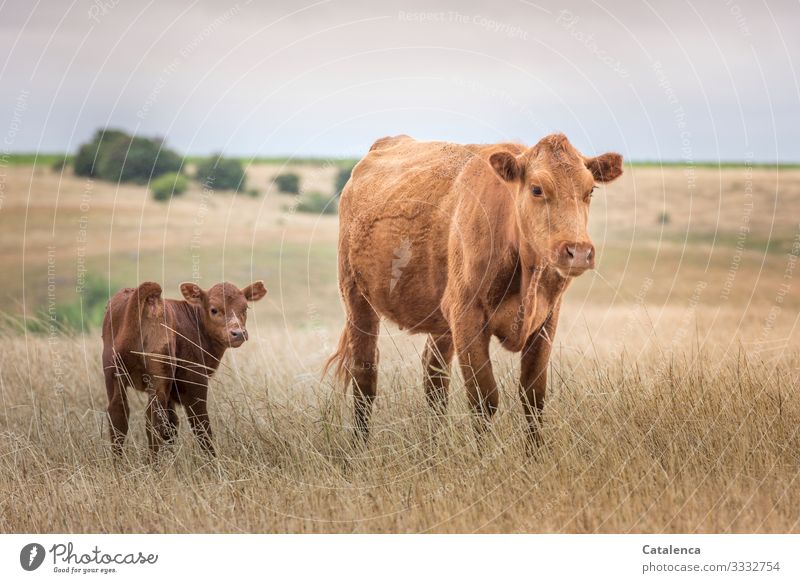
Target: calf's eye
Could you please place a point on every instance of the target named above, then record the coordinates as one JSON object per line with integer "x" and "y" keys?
{"x": 536, "y": 190}
{"x": 214, "y": 311}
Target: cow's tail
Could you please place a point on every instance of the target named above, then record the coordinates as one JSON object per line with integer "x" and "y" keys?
{"x": 144, "y": 309}
{"x": 146, "y": 301}
{"x": 341, "y": 361}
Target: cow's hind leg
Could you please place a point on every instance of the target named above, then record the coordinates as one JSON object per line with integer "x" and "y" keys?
{"x": 356, "y": 358}
{"x": 362, "y": 366}
{"x": 437, "y": 358}
{"x": 118, "y": 411}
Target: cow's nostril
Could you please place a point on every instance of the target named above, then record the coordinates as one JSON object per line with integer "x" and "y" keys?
{"x": 570, "y": 252}
{"x": 589, "y": 255}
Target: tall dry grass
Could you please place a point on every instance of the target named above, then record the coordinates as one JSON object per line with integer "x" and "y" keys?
{"x": 644, "y": 440}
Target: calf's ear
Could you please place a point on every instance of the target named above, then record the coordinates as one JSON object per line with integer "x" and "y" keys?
{"x": 255, "y": 291}
{"x": 606, "y": 167}
{"x": 507, "y": 166}
{"x": 193, "y": 293}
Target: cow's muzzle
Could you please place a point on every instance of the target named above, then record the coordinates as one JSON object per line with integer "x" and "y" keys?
{"x": 572, "y": 258}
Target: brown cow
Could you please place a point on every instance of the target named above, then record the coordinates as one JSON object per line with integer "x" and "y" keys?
{"x": 170, "y": 349}
{"x": 463, "y": 242}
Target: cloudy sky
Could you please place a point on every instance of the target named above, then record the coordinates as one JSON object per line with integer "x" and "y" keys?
{"x": 684, "y": 80}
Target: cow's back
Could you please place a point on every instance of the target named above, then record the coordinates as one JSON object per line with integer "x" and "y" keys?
{"x": 395, "y": 218}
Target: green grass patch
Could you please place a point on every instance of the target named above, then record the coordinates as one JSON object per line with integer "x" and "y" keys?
{"x": 32, "y": 158}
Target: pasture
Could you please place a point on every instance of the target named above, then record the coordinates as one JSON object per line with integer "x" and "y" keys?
{"x": 672, "y": 406}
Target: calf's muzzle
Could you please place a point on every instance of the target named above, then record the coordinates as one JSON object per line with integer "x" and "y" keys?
{"x": 238, "y": 335}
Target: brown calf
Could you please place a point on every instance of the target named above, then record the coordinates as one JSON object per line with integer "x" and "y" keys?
{"x": 170, "y": 349}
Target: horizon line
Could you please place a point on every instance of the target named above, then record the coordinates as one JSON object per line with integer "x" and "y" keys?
{"x": 22, "y": 157}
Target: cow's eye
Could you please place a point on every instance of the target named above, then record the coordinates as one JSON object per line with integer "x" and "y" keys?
{"x": 214, "y": 311}
{"x": 536, "y": 190}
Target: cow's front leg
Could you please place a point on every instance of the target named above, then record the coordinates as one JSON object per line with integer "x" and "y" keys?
{"x": 533, "y": 375}
{"x": 471, "y": 338}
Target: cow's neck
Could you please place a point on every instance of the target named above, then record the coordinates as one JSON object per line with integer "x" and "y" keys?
{"x": 541, "y": 286}
{"x": 541, "y": 289}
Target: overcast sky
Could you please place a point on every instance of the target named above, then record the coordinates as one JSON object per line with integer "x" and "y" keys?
{"x": 693, "y": 80}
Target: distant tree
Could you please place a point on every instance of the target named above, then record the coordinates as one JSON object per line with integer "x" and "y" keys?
{"x": 288, "y": 183}
{"x": 134, "y": 159}
{"x": 168, "y": 185}
{"x": 116, "y": 156}
{"x": 342, "y": 176}
{"x": 85, "y": 161}
{"x": 221, "y": 173}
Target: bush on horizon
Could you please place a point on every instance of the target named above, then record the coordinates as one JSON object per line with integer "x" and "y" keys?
{"x": 119, "y": 157}
{"x": 168, "y": 185}
{"x": 220, "y": 173}
{"x": 288, "y": 183}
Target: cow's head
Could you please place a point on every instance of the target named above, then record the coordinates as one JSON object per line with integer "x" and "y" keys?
{"x": 553, "y": 183}
{"x": 224, "y": 309}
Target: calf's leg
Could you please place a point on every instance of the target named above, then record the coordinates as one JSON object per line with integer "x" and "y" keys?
{"x": 159, "y": 428}
{"x": 171, "y": 433}
{"x": 195, "y": 401}
{"x": 118, "y": 411}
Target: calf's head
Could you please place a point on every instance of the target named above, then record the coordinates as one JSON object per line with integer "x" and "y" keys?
{"x": 552, "y": 183}
{"x": 224, "y": 309}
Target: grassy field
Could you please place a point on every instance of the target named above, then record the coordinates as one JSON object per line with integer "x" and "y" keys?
{"x": 672, "y": 407}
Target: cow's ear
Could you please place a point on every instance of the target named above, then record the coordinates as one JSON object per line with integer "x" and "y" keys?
{"x": 606, "y": 167}
{"x": 255, "y": 291}
{"x": 193, "y": 293}
{"x": 507, "y": 166}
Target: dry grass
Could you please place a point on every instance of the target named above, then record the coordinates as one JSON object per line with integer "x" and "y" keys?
{"x": 672, "y": 405}
{"x": 685, "y": 441}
